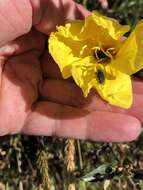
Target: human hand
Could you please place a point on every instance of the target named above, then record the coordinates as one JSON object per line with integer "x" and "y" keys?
{"x": 34, "y": 98}
{"x": 104, "y": 3}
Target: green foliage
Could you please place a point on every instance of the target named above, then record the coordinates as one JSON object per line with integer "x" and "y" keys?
{"x": 126, "y": 11}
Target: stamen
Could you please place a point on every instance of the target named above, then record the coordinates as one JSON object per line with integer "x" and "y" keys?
{"x": 111, "y": 52}
{"x": 100, "y": 55}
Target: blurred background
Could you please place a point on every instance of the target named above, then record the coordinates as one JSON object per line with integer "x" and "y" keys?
{"x": 45, "y": 163}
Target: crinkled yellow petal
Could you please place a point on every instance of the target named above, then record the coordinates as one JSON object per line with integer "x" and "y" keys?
{"x": 71, "y": 29}
{"x": 118, "y": 91}
{"x": 83, "y": 72}
{"x": 102, "y": 29}
{"x": 65, "y": 51}
{"x": 129, "y": 59}
{"x": 72, "y": 49}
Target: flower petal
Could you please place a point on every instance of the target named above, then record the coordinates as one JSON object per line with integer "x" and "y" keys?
{"x": 97, "y": 28}
{"x": 72, "y": 48}
{"x": 71, "y": 29}
{"x": 129, "y": 59}
{"x": 83, "y": 72}
{"x": 64, "y": 51}
{"x": 104, "y": 29}
{"x": 118, "y": 91}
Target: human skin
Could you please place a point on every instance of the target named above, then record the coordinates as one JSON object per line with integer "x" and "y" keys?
{"x": 34, "y": 99}
{"x": 104, "y": 3}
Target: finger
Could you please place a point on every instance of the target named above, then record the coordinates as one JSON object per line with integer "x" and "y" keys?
{"x": 49, "y": 67}
{"x": 104, "y": 3}
{"x": 15, "y": 19}
{"x": 50, "y": 119}
{"x": 46, "y": 20}
{"x": 138, "y": 85}
{"x": 65, "y": 92}
{"x": 136, "y": 109}
{"x": 34, "y": 40}
{"x": 19, "y": 90}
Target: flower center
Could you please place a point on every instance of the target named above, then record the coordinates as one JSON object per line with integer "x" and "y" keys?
{"x": 102, "y": 55}
{"x": 103, "y": 58}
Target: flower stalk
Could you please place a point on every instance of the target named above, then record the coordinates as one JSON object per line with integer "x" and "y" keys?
{"x": 70, "y": 162}
{"x": 42, "y": 163}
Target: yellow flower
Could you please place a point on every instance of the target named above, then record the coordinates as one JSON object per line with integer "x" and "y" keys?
{"x": 92, "y": 52}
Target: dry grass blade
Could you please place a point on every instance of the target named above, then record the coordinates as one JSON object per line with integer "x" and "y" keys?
{"x": 42, "y": 163}
{"x": 70, "y": 162}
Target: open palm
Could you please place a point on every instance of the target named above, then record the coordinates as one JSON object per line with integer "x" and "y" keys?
{"x": 36, "y": 100}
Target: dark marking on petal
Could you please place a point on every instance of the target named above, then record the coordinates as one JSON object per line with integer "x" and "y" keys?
{"x": 100, "y": 76}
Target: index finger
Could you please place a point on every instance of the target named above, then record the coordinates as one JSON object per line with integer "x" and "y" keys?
{"x": 51, "y": 119}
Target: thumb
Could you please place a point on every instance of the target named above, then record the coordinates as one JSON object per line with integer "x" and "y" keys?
{"x": 15, "y": 19}
{"x": 47, "y": 14}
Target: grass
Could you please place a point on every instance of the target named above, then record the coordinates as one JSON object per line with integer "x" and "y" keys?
{"x": 36, "y": 163}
